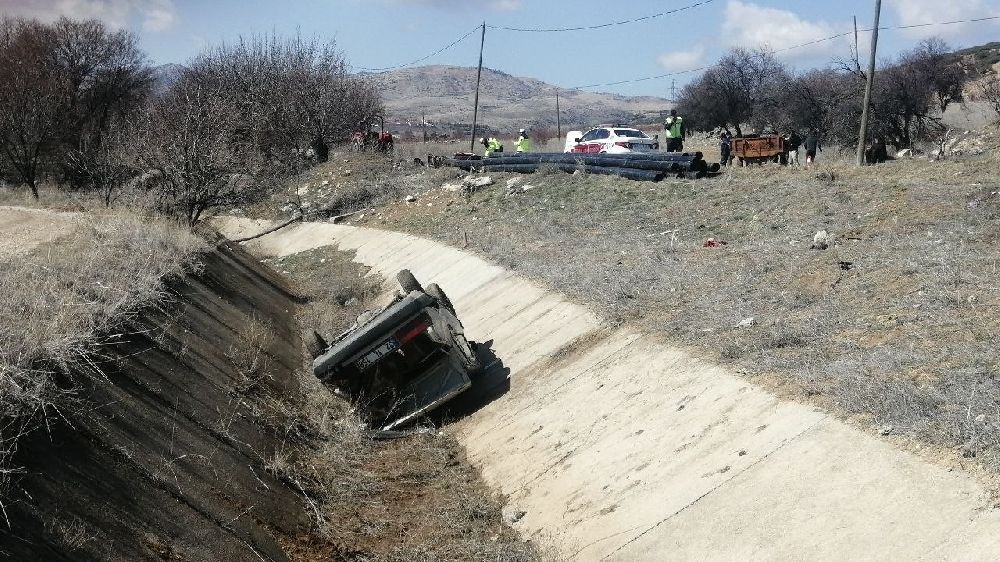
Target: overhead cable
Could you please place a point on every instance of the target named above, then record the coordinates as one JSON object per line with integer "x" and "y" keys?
{"x": 602, "y": 25}
{"x": 422, "y": 59}
{"x": 782, "y": 50}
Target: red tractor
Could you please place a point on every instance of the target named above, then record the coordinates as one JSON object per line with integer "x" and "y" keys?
{"x": 370, "y": 140}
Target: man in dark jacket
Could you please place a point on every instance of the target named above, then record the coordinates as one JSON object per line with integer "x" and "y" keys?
{"x": 812, "y": 146}
{"x": 725, "y": 148}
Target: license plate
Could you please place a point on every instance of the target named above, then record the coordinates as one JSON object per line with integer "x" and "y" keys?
{"x": 373, "y": 356}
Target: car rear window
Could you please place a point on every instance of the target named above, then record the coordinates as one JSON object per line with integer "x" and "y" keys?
{"x": 633, "y": 133}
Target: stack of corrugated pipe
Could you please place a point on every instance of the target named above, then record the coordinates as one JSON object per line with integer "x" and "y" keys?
{"x": 643, "y": 166}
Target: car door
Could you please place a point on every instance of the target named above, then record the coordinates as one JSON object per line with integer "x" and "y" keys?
{"x": 588, "y": 142}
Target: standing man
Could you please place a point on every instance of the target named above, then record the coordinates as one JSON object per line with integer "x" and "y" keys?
{"x": 794, "y": 142}
{"x": 812, "y": 146}
{"x": 523, "y": 143}
{"x": 674, "y": 132}
{"x": 492, "y": 146}
{"x": 725, "y": 148}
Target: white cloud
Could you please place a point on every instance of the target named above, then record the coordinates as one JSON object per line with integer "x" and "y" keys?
{"x": 155, "y": 15}
{"x": 916, "y": 12}
{"x": 160, "y": 16}
{"x": 682, "y": 60}
{"x": 750, "y": 25}
{"x": 499, "y": 5}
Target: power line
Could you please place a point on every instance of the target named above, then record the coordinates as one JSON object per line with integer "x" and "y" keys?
{"x": 974, "y": 20}
{"x": 422, "y": 59}
{"x": 782, "y": 50}
{"x": 602, "y": 25}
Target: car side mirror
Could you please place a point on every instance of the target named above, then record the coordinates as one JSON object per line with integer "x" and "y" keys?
{"x": 577, "y": 139}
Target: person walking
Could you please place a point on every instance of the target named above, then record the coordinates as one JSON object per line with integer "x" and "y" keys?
{"x": 674, "y": 132}
{"x": 812, "y": 146}
{"x": 794, "y": 142}
{"x": 725, "y": 148}
{"x": 523, "y": 143}
{"x": 492, "y": 146}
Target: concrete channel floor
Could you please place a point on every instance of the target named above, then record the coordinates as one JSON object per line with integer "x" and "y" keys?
{"x": 618, "y": 447}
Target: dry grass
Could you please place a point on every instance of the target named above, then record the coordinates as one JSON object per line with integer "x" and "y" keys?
{"x": 62, "y": 300}
{"x": 895, "y": 324}
{"x": 415, "y": 498}
{"x": 348, "y": 183}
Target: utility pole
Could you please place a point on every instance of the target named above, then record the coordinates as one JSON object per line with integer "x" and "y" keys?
{"x": 857, "y": 51}
{"x": 479, "y": 73}
{"x": 673, "y": 91}
{"x": 423, "y": 124}
{"x": 866, "y": 110}
{"x": 558, "y": 117}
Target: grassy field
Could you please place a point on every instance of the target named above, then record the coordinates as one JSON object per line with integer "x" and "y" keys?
{"x": 893, "y": 326}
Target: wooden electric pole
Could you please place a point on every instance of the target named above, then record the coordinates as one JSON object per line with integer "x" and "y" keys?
{"x": 558, "y": 118}
{"x": 866, "y": 110}
{"x": 479, "y": 73}
{"x": 857, "y": 52}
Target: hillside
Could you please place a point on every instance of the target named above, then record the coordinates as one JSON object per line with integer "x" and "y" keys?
{"x": 982, "y": 59}
{"x": 444, "y": 94}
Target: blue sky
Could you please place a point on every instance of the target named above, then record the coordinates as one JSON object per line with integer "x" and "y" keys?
{"x": 381, "y": 33}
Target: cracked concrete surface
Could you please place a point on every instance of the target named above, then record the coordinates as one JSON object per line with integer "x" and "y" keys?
{"x": 623, "y": 448}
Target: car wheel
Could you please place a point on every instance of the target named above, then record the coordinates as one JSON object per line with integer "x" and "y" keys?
{"x": 438, "y": 294}
{"x": 408, "y": 282}
{"x": 315, "y": 344}
{"x": 469, "y": 358}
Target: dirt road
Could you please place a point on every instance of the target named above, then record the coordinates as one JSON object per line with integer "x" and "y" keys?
{"x": 618, "y": 446}
{"x": 23, "y": 229}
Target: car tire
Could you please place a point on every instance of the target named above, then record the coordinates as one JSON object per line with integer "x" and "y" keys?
{"x": 408, "y": 282}
{"x": 470, "y": 360}
{"x": 439, "y": 295}
{"x": 315, "y": 344}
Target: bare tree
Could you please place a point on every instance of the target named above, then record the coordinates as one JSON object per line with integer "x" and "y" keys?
{"x": 106, "y": 79}
{"x": 31, "y": 98}
{"x": 193, "y": 152}
{"x": 61, "y": 85}
{"x": 937, "y": 63}
{"x": 742, "y": 89}
{"x": 914, "y": 91}
{"x": 292, "y": 93}
{"x": 240, "y": 117}
{"x": 989, "y": 89}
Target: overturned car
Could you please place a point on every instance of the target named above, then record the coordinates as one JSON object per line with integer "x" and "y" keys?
{"x": 402, "y": 362}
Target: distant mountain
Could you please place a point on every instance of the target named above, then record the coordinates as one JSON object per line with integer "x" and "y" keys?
{"x": 444, "y": 95}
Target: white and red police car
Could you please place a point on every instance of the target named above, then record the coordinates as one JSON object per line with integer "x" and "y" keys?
{"x": 610, "y": 139}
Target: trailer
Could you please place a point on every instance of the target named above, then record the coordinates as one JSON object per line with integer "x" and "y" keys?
{"x": 758, "y": 149}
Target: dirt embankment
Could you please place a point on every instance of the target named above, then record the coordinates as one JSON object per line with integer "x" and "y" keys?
{"x": 156, "y": 459}
{"x": 24, "y": 229}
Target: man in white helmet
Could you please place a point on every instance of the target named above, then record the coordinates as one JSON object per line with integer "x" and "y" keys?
{"x": 523, "y": 143}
